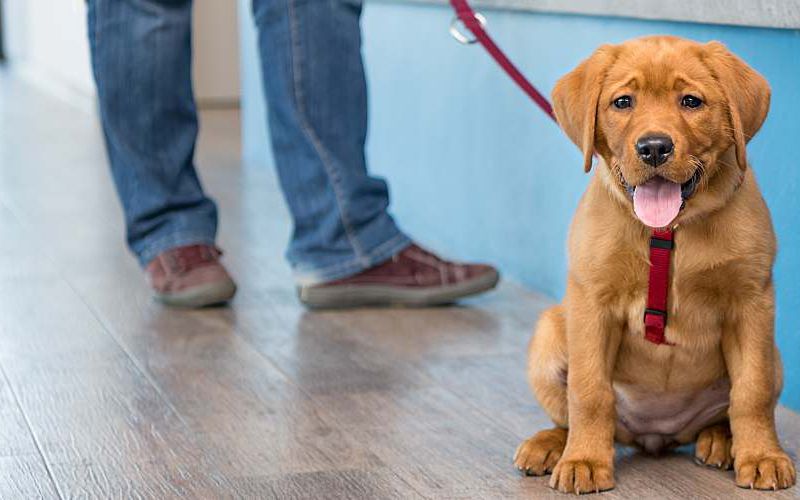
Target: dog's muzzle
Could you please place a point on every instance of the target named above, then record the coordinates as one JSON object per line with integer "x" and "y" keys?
{"x": 687, "y": 188}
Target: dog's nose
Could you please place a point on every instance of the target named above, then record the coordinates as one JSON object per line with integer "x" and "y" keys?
{"x": 655, "y": 149}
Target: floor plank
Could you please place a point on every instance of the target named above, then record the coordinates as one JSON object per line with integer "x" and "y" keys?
{"x": 25, "y": 476}
{"x": 334, "y": 485}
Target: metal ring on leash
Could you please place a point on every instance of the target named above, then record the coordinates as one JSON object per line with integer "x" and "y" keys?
{"x": 461, "y": 37}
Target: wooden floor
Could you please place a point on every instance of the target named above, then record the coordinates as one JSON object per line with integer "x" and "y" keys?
{"x": 105, "y": 394}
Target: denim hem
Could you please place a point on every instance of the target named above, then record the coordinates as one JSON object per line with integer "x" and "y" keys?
{"x": 379, "y": 254}
{"x": 153, "y": 249}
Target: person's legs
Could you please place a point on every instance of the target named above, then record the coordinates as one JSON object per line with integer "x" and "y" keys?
{"x": 346, "y": 250}
{"x": 141, "y": 58}
{"x": 316, "y": 93}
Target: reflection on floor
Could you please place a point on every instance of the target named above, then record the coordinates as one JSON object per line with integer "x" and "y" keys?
{"x": 105, "y": 394}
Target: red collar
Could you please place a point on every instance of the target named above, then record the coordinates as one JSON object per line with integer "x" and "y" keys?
{"x": 655, "y": 316}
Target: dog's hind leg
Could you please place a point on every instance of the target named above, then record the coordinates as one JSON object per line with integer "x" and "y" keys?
{"x": 538, "y": 455}
{"x": 547, "y": 374}
{"x": 547, "y": 364}
{"x": 713, "y": 447}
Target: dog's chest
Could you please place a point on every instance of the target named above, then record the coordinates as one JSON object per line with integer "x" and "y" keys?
{"x": 655, "y": 410}
{"x": 698, "y": 298}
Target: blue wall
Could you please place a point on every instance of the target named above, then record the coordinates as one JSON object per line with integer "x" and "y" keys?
{"x": 476, "y": 171}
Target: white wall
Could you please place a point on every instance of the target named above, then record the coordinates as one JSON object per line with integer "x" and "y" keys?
{"x": 763, "y": 13}
{"x": 46, "y": 42}
{"x": 216, "y": 51}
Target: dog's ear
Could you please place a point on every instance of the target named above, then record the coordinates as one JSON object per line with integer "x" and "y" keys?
{"x": 746, "y": 91}
{"x": 575, "y": 100}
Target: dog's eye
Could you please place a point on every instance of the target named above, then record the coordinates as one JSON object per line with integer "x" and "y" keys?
{"x": 623, "y": 102}
{"x": 690, "y": 101}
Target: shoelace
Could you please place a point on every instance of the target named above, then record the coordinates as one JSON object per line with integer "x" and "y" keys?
{"x": 183, "y": 259}
{"x": 444, "y": 268}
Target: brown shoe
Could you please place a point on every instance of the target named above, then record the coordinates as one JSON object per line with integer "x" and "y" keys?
{"x": 190, "y": 276}
{"x": 413, "y": 277}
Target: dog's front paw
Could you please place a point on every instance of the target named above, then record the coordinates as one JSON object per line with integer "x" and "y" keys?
{"x": 764, "y": 471}
{"x": 582, "y": 475}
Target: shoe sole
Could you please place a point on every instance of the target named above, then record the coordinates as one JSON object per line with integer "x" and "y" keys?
{"x": 210, "y": 294}
{"x": 347, "y": 296}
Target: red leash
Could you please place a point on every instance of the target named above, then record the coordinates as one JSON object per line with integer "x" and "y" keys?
{"x": 473, "y": 23}
{"x": 661, "y": 242}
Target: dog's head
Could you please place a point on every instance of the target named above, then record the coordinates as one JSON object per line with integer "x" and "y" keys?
{"x": 668, "y": 116}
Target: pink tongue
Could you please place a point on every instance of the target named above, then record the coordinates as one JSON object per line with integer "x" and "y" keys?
{"x": 657, "y": 202}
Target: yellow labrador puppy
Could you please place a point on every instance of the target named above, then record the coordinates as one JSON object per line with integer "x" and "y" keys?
{"x": 669, "y": 120}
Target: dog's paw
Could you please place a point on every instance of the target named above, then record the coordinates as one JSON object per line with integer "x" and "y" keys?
{"x": 713, "y": 447}
{"x": 538, "y": 455}
{"x": 582, "y": 476}
{"x": 764, "y": 471}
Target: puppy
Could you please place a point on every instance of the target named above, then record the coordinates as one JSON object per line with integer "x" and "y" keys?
{"x": 669, "y": 120}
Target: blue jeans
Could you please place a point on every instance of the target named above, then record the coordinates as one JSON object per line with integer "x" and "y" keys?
{"x": 316, "y": 93}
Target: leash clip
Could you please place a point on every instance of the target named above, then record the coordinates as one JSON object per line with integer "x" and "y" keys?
{"x": 460, "y": 37}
